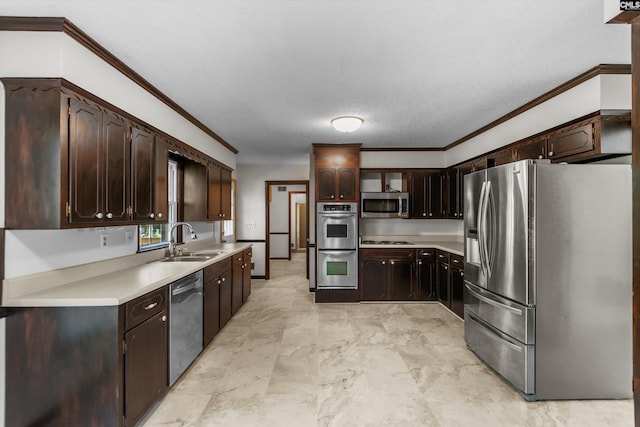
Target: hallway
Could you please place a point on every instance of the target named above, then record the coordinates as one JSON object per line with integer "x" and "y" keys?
{"x": 284, "y": 361}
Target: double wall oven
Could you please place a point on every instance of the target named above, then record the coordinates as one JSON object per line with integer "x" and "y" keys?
{"x": 337, "y": 246}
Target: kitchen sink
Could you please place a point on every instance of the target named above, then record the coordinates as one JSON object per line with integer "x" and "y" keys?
{"x": 187, "y": 258}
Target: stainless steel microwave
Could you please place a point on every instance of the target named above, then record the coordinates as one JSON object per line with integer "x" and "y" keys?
{"x": 384, "y": 205}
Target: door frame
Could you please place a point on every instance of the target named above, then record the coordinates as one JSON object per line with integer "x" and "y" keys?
{"x": 267, "y": 185}
{"x": 292, "y": 226}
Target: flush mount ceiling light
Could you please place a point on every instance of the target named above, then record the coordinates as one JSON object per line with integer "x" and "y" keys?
{"x": 346, "y": 123}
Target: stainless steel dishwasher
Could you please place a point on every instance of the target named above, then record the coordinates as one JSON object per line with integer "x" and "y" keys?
{"x": 185, "y": 324}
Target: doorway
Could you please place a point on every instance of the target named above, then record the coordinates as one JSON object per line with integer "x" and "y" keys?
{"x": 287, "y": 219}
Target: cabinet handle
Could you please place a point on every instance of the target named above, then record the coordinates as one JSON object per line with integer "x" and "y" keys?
{"x": 455, "y": 214}
{"x": 342, "y": 196}
{"x": 430, "y": 214}
{"x": 424, "y": 214}
{"x": 150, "y": 306}
{"x": 243, "y": 266}
{"x": 419, "y": 262}
{"x": 550, "y": 153}
{"x": 332, "y": 196}
{"x": 392, "y": 262}
{"x": 445, "y": 267}
{"x": 163, "y": 318}
{"x": 219, "y": 281}
{"x": 159, "y": 214}
{"x": 384, "y": 262}
{"x": 540, "y": 156}
{"x": 99, "y": 215}
{"x": 151, "y": 215}
{"x": 224, "y": 278}
{"x": 109, "y": 215}
{"x": 462, "y": 273}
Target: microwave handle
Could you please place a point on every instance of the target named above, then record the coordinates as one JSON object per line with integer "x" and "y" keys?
{"x": 399, "y": 206}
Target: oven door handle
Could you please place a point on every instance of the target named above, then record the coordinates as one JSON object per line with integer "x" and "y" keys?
{"x": 331, "y": 216}
{"x": 346, "y": 251}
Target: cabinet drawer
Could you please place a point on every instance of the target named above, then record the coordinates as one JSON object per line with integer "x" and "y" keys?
{"x": 145, "y": 307}
{"x": 427, "y": 253}
{"x": 442, "y": 256}
{"x": 237, "y": 260}
{"x": 216, "y": 270}
{"x": 456, "y": 261}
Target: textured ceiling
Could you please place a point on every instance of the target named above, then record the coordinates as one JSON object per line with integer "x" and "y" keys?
{"x": 268, "y": 76}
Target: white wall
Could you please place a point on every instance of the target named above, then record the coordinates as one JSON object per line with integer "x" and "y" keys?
{"x": 610, "y": 91}
{"x": 55, "y": 54}
{"x": 402, "y": 159}
{"x": 250, "y": 210}
{"x": 410, "y": 227}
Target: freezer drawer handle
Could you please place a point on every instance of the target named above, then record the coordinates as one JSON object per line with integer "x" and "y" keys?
{"x": 492, "y": 302}
{"x": 494, "y": 336}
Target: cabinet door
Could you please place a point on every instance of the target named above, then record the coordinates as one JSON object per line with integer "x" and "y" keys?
{"x": 347, "y": 184}
{"x": 195, "y": 191}
{"x": 571, "y": 142}
{"x": 452, "y": 207}
{"x": 161, "y": 180}
{"x": 86, "y": 163}
{"x": 436, "y": 195}
{"x": 326, "y": 183}
{"x": 116, "y": 158}
{"x": 225, "y": 298}
{"x": 215, "y": 182}
{"x": 417, "y": 195}
{"x": 401, "y": 273}
{"x": 502, "y": 157}
{"x": 457, "y": 284}
{"x": 225, "y": 194}
{"x": 536, "y": 149}
{"x": 145, "y": 365}
{"x": 246, "y": 280}
{"x": 211, "y": 310}
{"x": 442, "y": 277}
{"x": 236, "y": 289}
{"x": 374, "y": 279}
{"x": 142, "y": 169}
{"x": 427, "y": 276}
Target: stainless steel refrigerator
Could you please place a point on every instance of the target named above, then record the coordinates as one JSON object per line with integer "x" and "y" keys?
{"x": 548, "y": 265}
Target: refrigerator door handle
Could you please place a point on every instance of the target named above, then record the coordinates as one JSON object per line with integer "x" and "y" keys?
{"x": 492, "y": 302}
{"x": 495, "y": 337}
{"x": 480, "y": 230}
{"x": 486, "y": 234}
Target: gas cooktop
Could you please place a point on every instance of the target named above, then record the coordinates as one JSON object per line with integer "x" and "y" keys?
{"x": 386, "y": 242}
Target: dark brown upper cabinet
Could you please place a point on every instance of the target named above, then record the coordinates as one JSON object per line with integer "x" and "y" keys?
{"x": 67, "y": 158}
{"x": 98, "y": 165}
{"x": 337, "y": 169}
{"x": 453, "y": 206}
{"x": 427, "y": 194}
{"x": 149, "y": 171}
{"x": 194, "y": 194}
{"x": 219, "y": 193}
{"x": 532, "y": 149}
{"x": 571, "y": 142}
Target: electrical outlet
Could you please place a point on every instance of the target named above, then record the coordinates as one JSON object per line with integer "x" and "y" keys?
{"x": 104, "y": 241}
{"x": 251, "y": 225}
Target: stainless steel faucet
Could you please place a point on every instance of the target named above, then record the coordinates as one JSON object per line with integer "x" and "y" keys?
{"x": 172, "y": 242}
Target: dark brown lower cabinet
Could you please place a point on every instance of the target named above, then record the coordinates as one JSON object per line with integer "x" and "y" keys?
{"x": 237, "y": 277}
{"x": 456, "y": 281}
{"x": 427, "y": 275}
{"x": 402, "y": 278}
{"x": 145, "y": 362}
{"x": 225, "y": 298}
{"x": 246, "y": 274}
{"x": 442, "y": 278}
{"x": 146, "y": 351}
{"x": 387, "y": 274}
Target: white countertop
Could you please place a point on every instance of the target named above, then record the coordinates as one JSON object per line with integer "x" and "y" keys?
{"x": 452, "y": 244}
{"x": 122, "y": 282}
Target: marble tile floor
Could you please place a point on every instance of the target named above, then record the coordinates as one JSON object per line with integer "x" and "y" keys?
{"x": 285, "y": 361}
